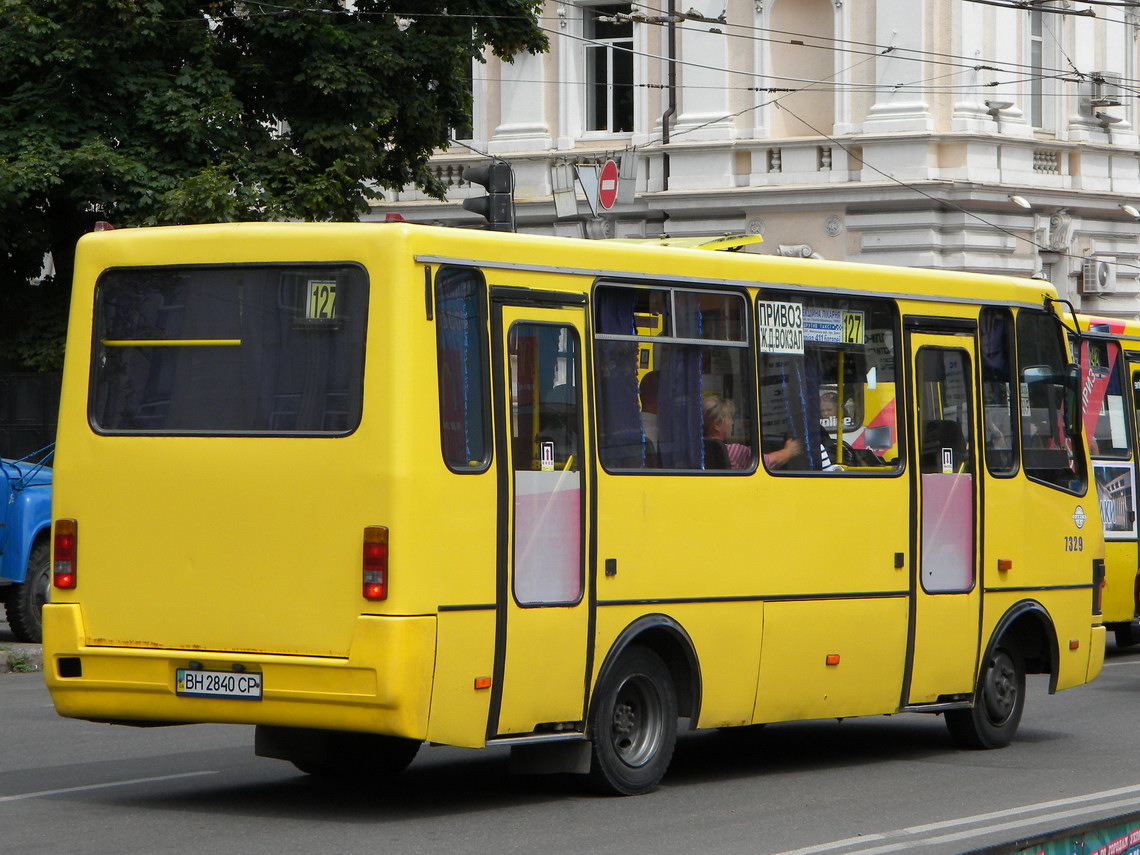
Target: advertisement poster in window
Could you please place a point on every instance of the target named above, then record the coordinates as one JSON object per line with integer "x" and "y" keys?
{"x": 1116, "y": 491}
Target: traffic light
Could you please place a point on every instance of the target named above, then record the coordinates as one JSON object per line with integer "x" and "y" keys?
{"x": 498, "y": 206}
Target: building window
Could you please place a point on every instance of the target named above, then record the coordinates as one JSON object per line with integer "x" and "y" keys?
{"x": 609, "y": 67}
{"x": 1036, "y": 67}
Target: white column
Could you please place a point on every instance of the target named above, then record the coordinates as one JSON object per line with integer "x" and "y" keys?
{"x": 843, "y": 74}
{"x": 900, "y": 24}
{"x": 704, "y": 80}
{"x": 970, "y": 112}
{"x": 571, "y": 73}
{"x": 523, "y": 125}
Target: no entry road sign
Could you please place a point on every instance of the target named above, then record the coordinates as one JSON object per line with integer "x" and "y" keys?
{"x": 608, "y": 185}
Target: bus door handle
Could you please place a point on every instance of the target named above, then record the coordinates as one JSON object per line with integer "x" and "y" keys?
{"x": 900, "y": 561}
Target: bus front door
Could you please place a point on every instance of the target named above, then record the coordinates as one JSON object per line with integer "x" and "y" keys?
{"x": 542, "y": 601}
{"x": 945, "y": 592}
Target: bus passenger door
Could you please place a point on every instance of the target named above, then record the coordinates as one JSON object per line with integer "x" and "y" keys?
{"x": 946, "y": 592}
{"x": 542, "y": 605}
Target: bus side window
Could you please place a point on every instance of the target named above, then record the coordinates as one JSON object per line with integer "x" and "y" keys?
{"x": 1105, "y": 404}
{"x": 827, "y": 384}
{"x": 662, "y": 356}
{"x": 1104, "y": 385}
{"x": 461, "y": 348}
{"x": 1136, "y": 394}
{"x": 998, "y": 400}
{"x": 1042, "y": 359}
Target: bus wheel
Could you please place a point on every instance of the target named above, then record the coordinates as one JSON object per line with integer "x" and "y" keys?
{"x": 1127, "y": 635}
{"x": 25, "y": 606}
{"x": 633, "y": 725}
{"x": 993, "y": 720}
{"x": 359, "y": 757}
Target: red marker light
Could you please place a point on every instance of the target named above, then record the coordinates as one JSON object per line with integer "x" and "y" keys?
{"x": 66, "y": 546}
{"x": 375, "y": 563}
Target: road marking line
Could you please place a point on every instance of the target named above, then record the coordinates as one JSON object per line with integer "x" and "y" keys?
{"x": 911, "y": 843}
{"x": 982, "y": 817}
{"x": 1122, "y": 662}
{"x": 129, "y": 783}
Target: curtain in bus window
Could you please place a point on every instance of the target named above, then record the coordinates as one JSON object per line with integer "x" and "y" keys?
{"x": 789, "y": 395}
{"x": 619, "y": 415}
{"x": 679, "y": 418}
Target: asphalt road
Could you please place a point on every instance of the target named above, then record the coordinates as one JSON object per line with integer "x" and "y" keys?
{"x": 822, "y": 788}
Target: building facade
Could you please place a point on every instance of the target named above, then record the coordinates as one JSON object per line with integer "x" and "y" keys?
{"x": 958, "y": 134}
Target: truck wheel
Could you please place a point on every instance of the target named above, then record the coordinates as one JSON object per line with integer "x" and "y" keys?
{"x": 1127, "y": 634}
{"x": 633, "y": 725}
{"x": 26, "y": 602}
{"x": 998, "y": 703}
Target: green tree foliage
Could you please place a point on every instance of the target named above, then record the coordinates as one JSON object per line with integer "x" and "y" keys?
{"x": 151, "y": 112}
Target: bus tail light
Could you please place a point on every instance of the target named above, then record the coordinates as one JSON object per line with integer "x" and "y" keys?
{"x": 66, "y": 541}
{"x": 375, "y": 563}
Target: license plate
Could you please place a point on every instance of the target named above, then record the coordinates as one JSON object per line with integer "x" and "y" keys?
{"x": 218, "y": 684}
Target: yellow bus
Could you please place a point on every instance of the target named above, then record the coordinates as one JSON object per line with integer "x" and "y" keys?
{"x": 1108, "y": 350}
{"x": 367, "y": 486}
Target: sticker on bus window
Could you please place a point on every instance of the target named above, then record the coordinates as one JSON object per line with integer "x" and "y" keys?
{"x": 321, "y": 303}
{"x": 546, "y": 456}
{"x": 1116, "y": 492}
{"x": 780, "y": 327}
{"x": 833, "y": 326}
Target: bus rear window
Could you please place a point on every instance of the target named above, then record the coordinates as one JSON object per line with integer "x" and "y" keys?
{"x": 253, "y": 350}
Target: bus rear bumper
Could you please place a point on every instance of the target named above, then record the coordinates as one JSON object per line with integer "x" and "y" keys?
{"x": 383, "y": 686}
{"x": 1096, "y": 653}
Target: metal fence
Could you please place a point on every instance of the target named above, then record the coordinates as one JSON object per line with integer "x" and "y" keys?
{"x": 29, "y": 410}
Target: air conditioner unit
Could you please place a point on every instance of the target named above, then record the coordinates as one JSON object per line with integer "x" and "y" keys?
{"x": 1105, "y": 89}
{"x": 1098, "y": 276}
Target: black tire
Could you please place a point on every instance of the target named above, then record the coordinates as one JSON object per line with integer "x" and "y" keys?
{"x": 25, "y": 604}
{"x": 1126, "y": 635}
{"x": 359, "y": 757}
{"x": 633, "y": 725}
{"x": 998, "y": 703}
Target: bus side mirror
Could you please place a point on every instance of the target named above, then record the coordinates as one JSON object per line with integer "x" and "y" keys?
{"x": 1073, "y": 400}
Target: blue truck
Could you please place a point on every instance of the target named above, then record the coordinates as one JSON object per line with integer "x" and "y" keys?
{"x": 25, "y": 541}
